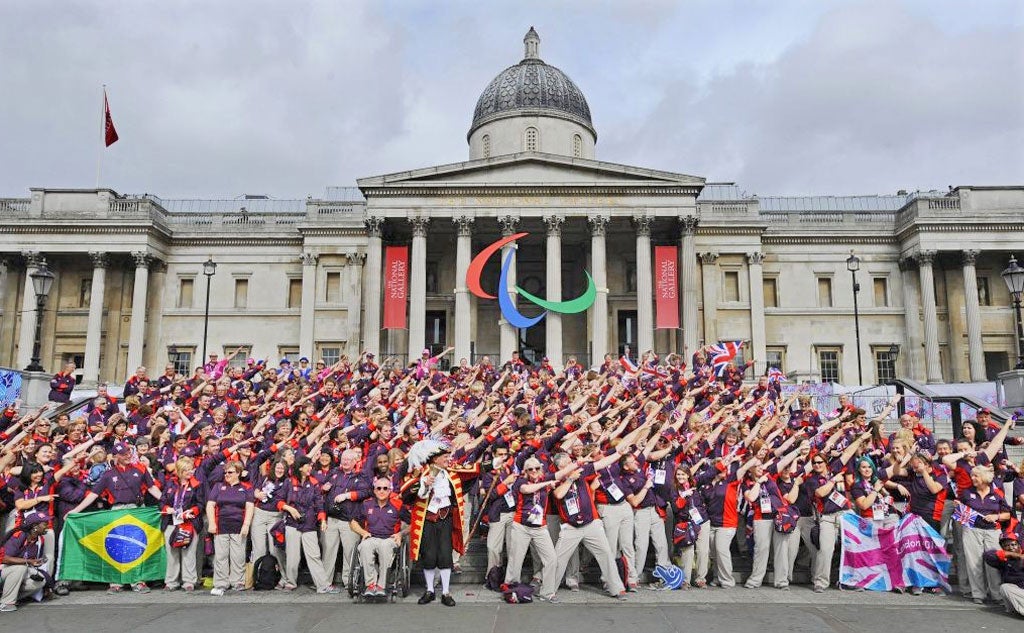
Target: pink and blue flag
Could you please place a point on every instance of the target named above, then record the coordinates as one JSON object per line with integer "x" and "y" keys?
{"x": 881, "y": 556}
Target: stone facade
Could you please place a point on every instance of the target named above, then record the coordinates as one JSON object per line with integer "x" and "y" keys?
{"x": 303, "y": 277}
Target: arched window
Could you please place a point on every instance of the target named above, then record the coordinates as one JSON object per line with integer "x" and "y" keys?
{"x": 530, "y": 144}
{"x": 487, "y": 145}
{"x": 577, "y": 145}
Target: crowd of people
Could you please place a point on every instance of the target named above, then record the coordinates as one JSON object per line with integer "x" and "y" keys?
{"x": 669, "y": 457}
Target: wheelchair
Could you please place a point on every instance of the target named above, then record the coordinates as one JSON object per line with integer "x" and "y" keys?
{"x": 398, "y": 578}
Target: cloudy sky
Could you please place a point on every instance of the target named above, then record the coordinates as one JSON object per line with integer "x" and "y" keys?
{"x": 219, "y": 99}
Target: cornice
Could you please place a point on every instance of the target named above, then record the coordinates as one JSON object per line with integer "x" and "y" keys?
{"x": 402, "y": 190}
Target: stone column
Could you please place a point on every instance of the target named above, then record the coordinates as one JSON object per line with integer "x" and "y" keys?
{"x": 94, "y": 328}
{"x": 27, "y": 335}
{"x": 355, "y": 301}
{"x": 757, "y": 330}
{"x": 913, "y": 342}
{"x": 689, "y": 279}
{"x": 644, "y": 286}
{"x": 463, "y": 302}
{"x": 972, "y": 308}
{"x": 137, "y": 328}
{"x": 418, "y": 287}
{"x": 307, "y": 315}
{"x": 372, "y": 285}
{"x": 508, "y": 335}
{"x": 599, "y": 330}
{"x": 933, "y": 367}
{"x": 709, "y": 272}
{"x": 553, "y": 287}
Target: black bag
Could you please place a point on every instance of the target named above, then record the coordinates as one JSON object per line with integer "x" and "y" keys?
{"x": 265, "y": 573}
{"x": 816, "y": 534}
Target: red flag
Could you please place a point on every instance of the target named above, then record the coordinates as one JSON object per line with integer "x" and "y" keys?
{"x": 396, "y": 284}
{"x": 666, "y": 287}
{"x": 110, "y": 134}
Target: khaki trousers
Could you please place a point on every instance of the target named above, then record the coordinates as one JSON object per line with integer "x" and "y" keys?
{"x": 829, "y": 532}
{"x": 498, "y": 534}
{"x": 228, "y": 560}
{"x": 619, "y": 532}
{"x": 721, "y": 540}
{"x": 523, "y": 537}
{"x": 303, "y": 543}
{"x": 338, "y": 532}
{"x": 648, "y": 528}
{"x": 18, "y": 583}
{"x": 984, "y": 579}
{"x": 259, "y": 533}
{"x": 763, "y": 530}
{"x": 592, "y": 536}
{"x": 698, "y": 553}
{"x": 181, "y": 562}
{"x": 1013, "y": 598}
{"x": 384, "y": 550}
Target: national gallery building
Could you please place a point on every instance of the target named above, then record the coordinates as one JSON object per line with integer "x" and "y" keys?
{"x": 670, "y": 261}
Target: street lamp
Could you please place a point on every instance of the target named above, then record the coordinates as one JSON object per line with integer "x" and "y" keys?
{"x": 42, "y": 281}
{"x": 894, "y": 353}
{"x": 1014, "y": 278}
{"x": 853, "y": 265}
{"x": 209, "y": 269}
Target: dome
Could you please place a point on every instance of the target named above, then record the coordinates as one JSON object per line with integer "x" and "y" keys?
{"x": 532, "y": 87}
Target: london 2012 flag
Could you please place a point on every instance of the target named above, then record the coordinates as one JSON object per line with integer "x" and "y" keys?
{"x": 114, "y": 546}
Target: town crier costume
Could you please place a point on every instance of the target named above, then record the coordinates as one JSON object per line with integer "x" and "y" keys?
{"x": 435, "y": 492}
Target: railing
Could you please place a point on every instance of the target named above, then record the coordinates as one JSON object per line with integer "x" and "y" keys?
{"x": 828, "y": 217}
{"x": 943, "y": 203}
{"x": 14, "y": 206}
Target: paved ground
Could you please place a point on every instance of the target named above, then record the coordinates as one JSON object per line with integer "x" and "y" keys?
{"x": 708, "y": 611}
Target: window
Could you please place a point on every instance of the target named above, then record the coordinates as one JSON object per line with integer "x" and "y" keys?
{"x": 330, "y": 353}
{"x": 487, "y": 145}
{"x": 241, "y": 293}
{"x": 290, "y": 352}
{"x": 775, "y": 357}
{"x": 240, "y": 358}
{"x": 828, "y": 364}
{"x": 824, "y": 292}
{"x": 185, "y": 288}
{"x": 577, "y": 145}
{"x": 885, "y": 365}
{"x": 181, "y": 358}
{"x": 294, "y": 293}
{"x": 530, "y": 144}
{"x": 983, "y": 296}
{"x": 431, "y": 278}
{"x": 732, "y": 286}
{"x": 630, "y": 276}
{"x": 85, "y": 292}
{"x": 771, "y": 292}
{"x": 628, "y": 334}
{"x": 333, "y": 288}
{"x": 437, "y": 330}
{"x": 881, "y": 288}
{"x": 741, "y": 355}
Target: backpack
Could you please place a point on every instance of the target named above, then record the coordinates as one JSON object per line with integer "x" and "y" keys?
{"x": 517, "y": 593}
{"x": 265, "y": 573}
{"x": 786, "y": 518}
{"x": 495, "y": 578}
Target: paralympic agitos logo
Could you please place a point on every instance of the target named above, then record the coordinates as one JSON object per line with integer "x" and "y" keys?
{"x": 508, "y": 308}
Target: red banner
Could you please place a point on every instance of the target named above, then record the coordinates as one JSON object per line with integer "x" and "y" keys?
{"x": 396, "y": 286}
{"x": 666, "y": 287}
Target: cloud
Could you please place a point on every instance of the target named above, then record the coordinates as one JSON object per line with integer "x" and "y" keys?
{"x": 220, "y": 99}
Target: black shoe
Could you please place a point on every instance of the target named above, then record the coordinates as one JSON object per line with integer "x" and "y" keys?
{"x": 426, "y": 598}
{"x": 447, "y": 600}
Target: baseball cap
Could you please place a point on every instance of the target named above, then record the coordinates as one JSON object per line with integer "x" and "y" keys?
{"x": 121, "y": 449}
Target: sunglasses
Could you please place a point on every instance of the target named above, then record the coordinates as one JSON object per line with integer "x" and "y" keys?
{"x": 529, "y": 469}
{"x": 817, "y": 461}
{"x": 382, "y": 487}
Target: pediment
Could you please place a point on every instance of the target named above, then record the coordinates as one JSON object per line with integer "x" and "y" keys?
{"x": 531, "y": 169}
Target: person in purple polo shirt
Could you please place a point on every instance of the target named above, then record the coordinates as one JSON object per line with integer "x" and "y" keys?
{"x": 123, "y": 485}
{"x": 229, "y": 510}
{"x": 345, "y": 489}
{"x": 381, "y": 531}
{"x": 20, "y": 559}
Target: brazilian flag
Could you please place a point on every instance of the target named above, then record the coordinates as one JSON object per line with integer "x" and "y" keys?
{"x": 115, "y": 546}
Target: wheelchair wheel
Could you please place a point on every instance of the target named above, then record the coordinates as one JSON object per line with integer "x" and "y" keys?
{"x": 404, "y": 576}
{"x": 356, "y": 580}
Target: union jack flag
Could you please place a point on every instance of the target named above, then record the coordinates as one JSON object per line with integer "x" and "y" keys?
{"x": 964, "y": 515}
{"x": 775, "y": 375}
{"x": 627, "y": 364}
{"x": 721, "y": 354}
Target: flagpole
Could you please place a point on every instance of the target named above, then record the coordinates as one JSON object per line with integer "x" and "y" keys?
{"x": 103, "y": 136}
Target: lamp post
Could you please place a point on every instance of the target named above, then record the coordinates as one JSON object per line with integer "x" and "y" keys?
{"x": 1014, "y": 278}
{"x": 209, "y": 269}
{"x": 42, "y": 281}
{"x": 894, "y": 353}
{"x": 853, "y": 265}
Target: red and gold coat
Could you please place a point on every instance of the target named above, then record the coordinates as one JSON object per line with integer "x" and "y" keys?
{"x": 458, "y": 478}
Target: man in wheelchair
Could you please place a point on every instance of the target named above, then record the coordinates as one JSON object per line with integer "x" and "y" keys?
{"x": 381, "y": 531}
